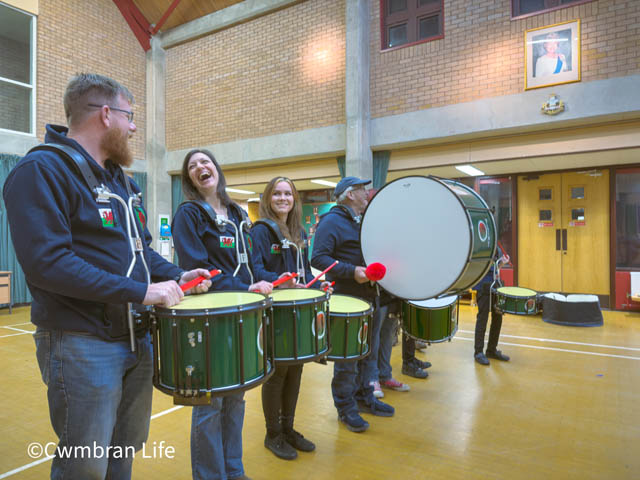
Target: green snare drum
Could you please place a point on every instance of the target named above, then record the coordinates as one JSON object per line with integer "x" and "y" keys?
{"x": 434, "y": 320}
{"x": 350, "y": 335}
{"x": 210, "y": 345}
{"x": 516, "y": 300}
{"x": 300, "y": 325}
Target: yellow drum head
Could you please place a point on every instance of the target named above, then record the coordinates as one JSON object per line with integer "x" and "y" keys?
{"x": 347, "y": 304}
{"x": 217, "y": 300}
{"x": 291, "y": 294}
{"x": 517, "y": 291}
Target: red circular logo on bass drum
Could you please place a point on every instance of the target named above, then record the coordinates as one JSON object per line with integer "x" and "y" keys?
{"x": 483, "y": 232}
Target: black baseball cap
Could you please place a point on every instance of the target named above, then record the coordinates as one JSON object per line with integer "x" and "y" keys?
{"x": 347, "y": 182}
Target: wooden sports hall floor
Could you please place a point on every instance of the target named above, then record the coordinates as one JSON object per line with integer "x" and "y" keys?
{"x": 567, "y": 406}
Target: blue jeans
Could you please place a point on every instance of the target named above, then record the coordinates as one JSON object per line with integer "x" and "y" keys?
{"x": 350, "y": 381}
{"x": 387, "y": 334}
{"x": 216, "y": 438}
{"x": 99, "y": 396}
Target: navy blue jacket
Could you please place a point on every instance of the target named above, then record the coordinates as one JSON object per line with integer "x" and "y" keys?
{"x": 270, "y": 254}
{"x": 199, "y": 242}
{"x": 74, "y": 251}
{"x": 338, "y": 238}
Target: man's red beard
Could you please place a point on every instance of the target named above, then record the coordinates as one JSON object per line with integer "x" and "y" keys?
{"x": 116, "y": 145}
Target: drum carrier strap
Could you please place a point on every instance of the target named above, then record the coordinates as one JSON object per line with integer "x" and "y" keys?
{"x": 213, "y": 216}
{"x": 349, "y": 210}
{"x": 275, "y": 229}
{"x": 78, "y": 163}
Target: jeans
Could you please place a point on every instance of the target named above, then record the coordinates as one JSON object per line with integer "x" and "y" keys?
{"x": 387, "y": 334}
{"x": 99, "y": 396}
{"x": 484, "y": 294}
{"x": 350, "y": 381}
{"x": 216, "y": 438}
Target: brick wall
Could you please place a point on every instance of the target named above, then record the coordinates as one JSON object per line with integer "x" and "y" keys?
{"x": 282, "y": 72}
{"x": 482, "y": 53}
{"x": 74, "y": 37}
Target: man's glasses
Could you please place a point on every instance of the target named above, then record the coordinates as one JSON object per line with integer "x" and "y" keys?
{"x": 129, "y": 113}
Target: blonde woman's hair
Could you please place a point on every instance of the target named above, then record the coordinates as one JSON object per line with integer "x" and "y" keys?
{"x": 292, "y": 230}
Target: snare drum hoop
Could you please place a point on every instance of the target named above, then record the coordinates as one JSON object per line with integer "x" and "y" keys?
{"x": 442, "y": 181}
{"x": 265, "y": 302}
{"x": 362, "y": 313}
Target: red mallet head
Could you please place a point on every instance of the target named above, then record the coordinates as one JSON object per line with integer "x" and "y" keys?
{"x": 375, "y": 271}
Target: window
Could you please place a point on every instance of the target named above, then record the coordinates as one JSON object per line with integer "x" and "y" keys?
{"x": 545, "y": 194}
{"x": 628, "y": 218}
{"x": 405, "y": 22}
{"x": 17, "y": 70}
{"x": 530, "y": 7}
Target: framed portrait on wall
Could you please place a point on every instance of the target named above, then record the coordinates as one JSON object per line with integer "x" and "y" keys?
{"x": 552, "y": 55}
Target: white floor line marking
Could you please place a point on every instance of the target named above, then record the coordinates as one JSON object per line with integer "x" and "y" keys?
{"x": 17, "y": 324}
{"x": 46, "y": 459}
{"x": 19, "y": 330}
{"x": 561, "y": 341}
{"x": 25, "y": 467}
{"x": 14, "y": 334}
{"x": 557, "y": 349}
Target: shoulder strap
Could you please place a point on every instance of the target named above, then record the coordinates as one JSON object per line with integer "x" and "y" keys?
{"x": 349, "y": 211}
{"x": 273, "y": 228}
{"x": 74, "y": 159}
{"x": 207, "y": 210}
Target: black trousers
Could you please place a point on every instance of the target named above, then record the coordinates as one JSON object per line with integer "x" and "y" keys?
{"x": 408, "y": 349}
{"x": 483, "y": 296}
{"x": 279, "y": 398}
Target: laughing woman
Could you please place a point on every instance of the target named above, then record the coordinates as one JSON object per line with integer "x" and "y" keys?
{"x": 281, "y": 216}
{"x": 203, "y": 228}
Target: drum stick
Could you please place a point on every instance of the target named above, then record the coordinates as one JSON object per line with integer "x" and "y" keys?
{"x": 321, "y": 273}
{"x": 197, "y": 281}
{"x": 329, "y": 286}
{"x": 282, "y": 280}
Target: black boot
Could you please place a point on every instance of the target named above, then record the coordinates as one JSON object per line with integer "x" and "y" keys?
{"x": 295, "y": 439}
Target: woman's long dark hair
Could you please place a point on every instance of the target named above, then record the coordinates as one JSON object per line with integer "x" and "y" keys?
{"x": 292, "y": 230}
{"x": 191, "y": 192}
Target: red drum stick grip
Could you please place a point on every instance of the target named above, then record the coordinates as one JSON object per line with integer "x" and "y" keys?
{"x": 321, "y": 273}
{"x": 282, "y": 280}
{"x": 329, "y": 286}
{"x": 197, "y": 281}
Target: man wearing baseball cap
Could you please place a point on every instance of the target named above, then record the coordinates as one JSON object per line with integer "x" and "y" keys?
{"x": 338, "y": 238}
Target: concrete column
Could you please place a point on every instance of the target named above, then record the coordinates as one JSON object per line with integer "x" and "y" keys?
{"x": 158, "y": 180}
{"x": 359, "y": 160}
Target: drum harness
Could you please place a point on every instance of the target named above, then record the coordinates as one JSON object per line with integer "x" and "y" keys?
{"x": 286, "y": 244}
{"x": 76, "y": 161}
{"x": 220, "y": 222}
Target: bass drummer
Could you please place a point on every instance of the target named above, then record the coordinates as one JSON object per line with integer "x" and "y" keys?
{"x": 338, "y": 238}
{"x": 484, "y": 289}
{"x": 280, "y": 244}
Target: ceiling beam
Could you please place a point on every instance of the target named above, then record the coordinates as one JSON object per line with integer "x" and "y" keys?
{"x": 170, "y": 10}
{"x": 137, "y": 22}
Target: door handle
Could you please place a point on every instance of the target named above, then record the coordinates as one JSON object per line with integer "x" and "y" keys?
{"x": 564, "y": 239}
{"x": 557, "y": 239}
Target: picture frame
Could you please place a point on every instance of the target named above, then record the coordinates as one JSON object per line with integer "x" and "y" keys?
{"x": 552, "y": 55}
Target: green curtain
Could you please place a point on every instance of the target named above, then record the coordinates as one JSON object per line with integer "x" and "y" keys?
{"x": 380, "y": 168}
{"x": 141, "y": 179}
{"x": 341, "y": 166}
{"x": 8, "y": 261}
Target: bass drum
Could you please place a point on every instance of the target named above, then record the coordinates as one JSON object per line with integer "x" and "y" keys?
{"x": 435, "y": 236}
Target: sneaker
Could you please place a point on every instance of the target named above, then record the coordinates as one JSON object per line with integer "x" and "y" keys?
{"x": 377, "y": 391}
{"x": 354, "y": 422}
{"x": 280, "y": 448}
{"x": 394, "y": 384}
{"x": 420, "y": 345}
{"x": 297, "y": 441}
{"x": 414, "y": 371}
{"x": 377, "y": 408}
{"x": 498, "y": 355}
{"x": 420, "y": 363}
{"x": 481, "y": 358}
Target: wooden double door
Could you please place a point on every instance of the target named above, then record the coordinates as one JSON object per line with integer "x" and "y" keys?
{"x": 563, "y": 232}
